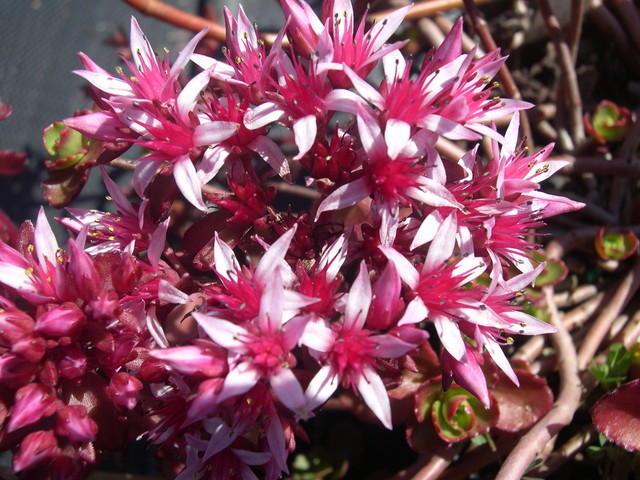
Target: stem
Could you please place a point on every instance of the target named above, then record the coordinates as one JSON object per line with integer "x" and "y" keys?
{"x": 569, "y": 77}
{"x": 177, "y": 17}
{"x": 602, "y": 17}
{"x": 567, "y": 451}
{"x": 532, "y": 444}
{"x": 575, "y": 27}
{"x": 426, "y": 8}
{"x": 510, "y": 87}
{"x": 629, "y": 15}
{"x": 597, "y": 165}
{"x": 429, "y": 467}
{"x": 602, "y": 325}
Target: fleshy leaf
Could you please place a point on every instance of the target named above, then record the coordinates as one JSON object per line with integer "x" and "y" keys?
{"x": 617, "y": 416}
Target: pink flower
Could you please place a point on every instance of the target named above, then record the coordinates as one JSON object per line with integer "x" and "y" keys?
{"x": 260, "y": 347}
{"x": 336, "y": 40}
{"x": 400, "y": 169}
{"x": 450, "y": 96}
{"x": 130, "y": 224}
{"x": 349, "y": 353}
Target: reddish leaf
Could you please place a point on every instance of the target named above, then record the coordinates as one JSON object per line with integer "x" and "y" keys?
{"x": 521, "y": 407}
{"x": 617, "y": 416}
{"x": 63, "y": 186}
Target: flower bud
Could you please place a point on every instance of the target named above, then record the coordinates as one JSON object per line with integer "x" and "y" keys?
{"x": 74, "y": 423}
{"x": 124, "y": 390}
{"x": 33, "y": 402}
{"x": 72, "y": 364}
{"x": 36, "y": 449}
{"x": 65, "y": 320}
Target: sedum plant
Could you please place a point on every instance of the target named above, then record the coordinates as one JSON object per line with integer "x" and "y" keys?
{"x": 205, "y": 316}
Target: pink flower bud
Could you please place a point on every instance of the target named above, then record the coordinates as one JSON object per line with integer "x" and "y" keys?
{"x": 65, "y": 320}
{"x": 36, "y": 449}
{"x": 74, "y": 423}
{"x": 33, "y": 402}
{"x": 124, "y": 390}
{"x": 49, "y": 374}
{"x": 14, "y": 324}
{"x": 72, "y": 364}
{"x": 16, "y": 372}
{"x": 30, "y": 348}
{"x": 195, "y": 360}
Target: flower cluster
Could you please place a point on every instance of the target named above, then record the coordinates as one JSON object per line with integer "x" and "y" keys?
{"x": 218, "y": 346}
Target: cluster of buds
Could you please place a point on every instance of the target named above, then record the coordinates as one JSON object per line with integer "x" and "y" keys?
{"x": 218, "y": 346}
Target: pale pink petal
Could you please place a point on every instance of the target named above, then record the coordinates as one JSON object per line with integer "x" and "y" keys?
{"x": 155, "y": 329}
{"x": 333, "y": 257}
{"x": 364, "y": 89}
{"x": 214, "y": 132}
{"x": 170, "y": 294}
{"x": 370, "y": 133}
{"x": 304, "y": 132}
{"x": 415, "y": 312}
{"x": 239, "y": 380}
{"x": 389, "y": 346}
{"x": 45, "y": 241}
{"x": 102, "y": 126}
{"x": 107, "y": 83}
{"x": 271, "y": 304}
{"x": 272, "y": 154}
{"x": 396, "y": 135}
{"x": 322, "y": 386}
{"x": 405, "y": 268}
{"x": 140, "y": 48}
{"x": 507, "y": 107}
{"x": 289, "y": 392}
{"x": 427, "y": 230}
{"x": 432, "y": 193}
{"x": 441, "y": 247}
{"x": 341, "y": 100}
{"x": 223, "y": 332}
{"x": 262, "y": 115}
{"x": 143, "y": 175}
{"x": 447, "y": 128}
{"x": 183, "y": 57}
{"x": 383, "y": 29}
{"x": 393, "y": 64}
{"x": 501, "y": 360}
{"x": 212, "y": 161}
{"x": 225, "y": 261}
{"x": 272, "y": 258}
{"x": 345, "y": 196}
{"x": 317, "y": 335}
{"x": 251, "y": 458}
{"x": 190, "y": 94}
{"x": 157, "y": 243}
{"x": 371, "y": 389}
{"x": 245, "y": 33}
{"x": 187, "y": 181}
{"x": 215, "y": 67}
{"x": 116, "y": 194}
{"x": 359, "y": 300}
{"x": 450, "y": 336}
{"x": 528, "y": 325}
{"x": 511, "y": 136}
{"x": 552, "y": 205}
